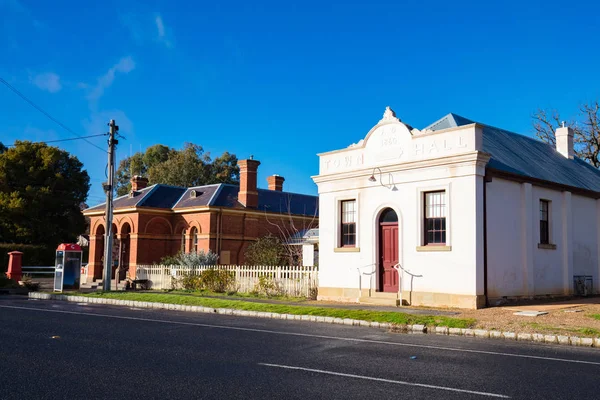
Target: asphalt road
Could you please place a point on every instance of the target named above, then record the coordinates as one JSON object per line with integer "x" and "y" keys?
{"x": 59, "y": 350}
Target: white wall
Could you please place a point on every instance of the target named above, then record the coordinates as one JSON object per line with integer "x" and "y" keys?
{"x": 452, "y": 271}
{"x": 517, "y": 264}
{"x": 585, "y": 237}
{"x": 504, "y": 238}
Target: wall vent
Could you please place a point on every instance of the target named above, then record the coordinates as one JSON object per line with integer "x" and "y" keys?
{"x": 583, "y": 285}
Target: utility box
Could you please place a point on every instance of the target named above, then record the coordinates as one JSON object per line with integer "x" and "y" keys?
{"x": 67, "y": 267}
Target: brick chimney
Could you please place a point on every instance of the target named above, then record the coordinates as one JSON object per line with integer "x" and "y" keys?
{"x": 564, "y": 141}
{"x": 138, "y": 183}
{"x": 248, "y": 194}
{"x": 276, "y": 182}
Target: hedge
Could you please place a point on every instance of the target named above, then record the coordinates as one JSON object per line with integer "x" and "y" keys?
{"x": 32, "y": 254}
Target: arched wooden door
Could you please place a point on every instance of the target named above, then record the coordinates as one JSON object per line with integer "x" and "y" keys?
{"x": 388, "y": 251}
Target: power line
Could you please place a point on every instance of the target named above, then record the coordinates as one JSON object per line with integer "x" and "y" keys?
{"x": 31, "y": 103}
{"x": 64, "y": 140}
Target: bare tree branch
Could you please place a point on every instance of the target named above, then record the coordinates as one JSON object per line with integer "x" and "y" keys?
{"x": 586, "y": 129}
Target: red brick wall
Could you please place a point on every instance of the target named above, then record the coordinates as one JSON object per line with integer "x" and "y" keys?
{"x": 155, "y": 236}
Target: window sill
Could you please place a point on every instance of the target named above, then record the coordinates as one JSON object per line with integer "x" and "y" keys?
{"x": 346, "y": 250}
{"x": 434, "y": 248}
{"x": 546, "y": 246}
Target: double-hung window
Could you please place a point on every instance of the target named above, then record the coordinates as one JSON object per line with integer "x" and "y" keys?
{"x": 435, "y": 218}
{"x": 544, "y": 222}
{"x": 348, "y": 228}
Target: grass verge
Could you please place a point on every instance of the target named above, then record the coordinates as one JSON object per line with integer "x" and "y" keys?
{"x": 236, "y": 295}
{"x": 365, "y": 315}
{"x": 595, "y": 316}
{"x": 559, "y": 330}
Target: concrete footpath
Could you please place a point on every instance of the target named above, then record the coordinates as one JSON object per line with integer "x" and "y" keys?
{"x": 417, "y": 328}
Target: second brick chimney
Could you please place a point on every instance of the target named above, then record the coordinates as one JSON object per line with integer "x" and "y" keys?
{"x": 138, "y": 183}
{"x": 248, "y": 194}
{"x": 276, "y": 182}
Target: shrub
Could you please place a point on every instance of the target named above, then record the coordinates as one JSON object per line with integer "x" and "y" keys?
{"x": 32, "y": 254}
{"x": 267, "y": 286}
{"x": 195, "y": 259}
{"x": 189, "y": 281}
{"x": 215, "y": 280}
{"x": 6, "y": 283}
{"x": 267, "y": 250}
{"x": 218, "y": 280}
{"x": 169, "y": 260}
{"x": 30, "y": 284}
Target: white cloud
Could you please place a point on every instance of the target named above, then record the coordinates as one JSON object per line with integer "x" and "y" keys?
{"x": 124, "y": 66}
{"x": 161, "y": 32}
{"x": 133, "y": 25}
{"x": 16, "y": 7}
{"x": 160, "y": 26}
{"x": 48, "y": 81}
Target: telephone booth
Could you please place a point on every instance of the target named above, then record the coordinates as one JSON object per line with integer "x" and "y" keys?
{"x": 67, "y": 267}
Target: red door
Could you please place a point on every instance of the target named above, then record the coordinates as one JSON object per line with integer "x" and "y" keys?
{"x": 388, "y": 256}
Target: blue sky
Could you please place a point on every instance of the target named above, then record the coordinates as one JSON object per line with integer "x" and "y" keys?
{"x": 283, "y": 81}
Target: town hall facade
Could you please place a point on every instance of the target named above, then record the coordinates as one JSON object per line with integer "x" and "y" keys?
{"x": 459, "y": 214}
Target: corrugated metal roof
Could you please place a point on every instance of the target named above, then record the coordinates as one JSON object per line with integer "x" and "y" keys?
{"x": 523, "y": 155}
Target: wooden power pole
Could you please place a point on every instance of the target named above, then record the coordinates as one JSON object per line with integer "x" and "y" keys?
{"x": 109, "y": 188}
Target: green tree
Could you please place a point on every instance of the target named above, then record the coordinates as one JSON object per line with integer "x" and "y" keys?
{"x": 224, "y": 169}
{"x": 3, "y": 148}
{"x": 41, "y": 190}
{"x": 267, "y": 250}
{"x": 190, "y": 166}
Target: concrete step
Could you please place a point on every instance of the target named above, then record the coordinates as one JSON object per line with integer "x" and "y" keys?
{"x": 381, "y": 298}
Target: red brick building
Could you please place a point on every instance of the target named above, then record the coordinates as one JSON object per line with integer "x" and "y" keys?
{"x": 160, "y": 220}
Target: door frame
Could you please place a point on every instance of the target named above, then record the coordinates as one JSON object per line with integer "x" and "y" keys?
{"x": 377, "y": 240}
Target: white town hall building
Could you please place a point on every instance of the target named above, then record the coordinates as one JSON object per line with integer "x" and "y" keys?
{"x": 459, "y": 214}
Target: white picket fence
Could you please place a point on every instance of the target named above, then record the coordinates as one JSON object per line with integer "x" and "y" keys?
{"x": 292, "y": 281}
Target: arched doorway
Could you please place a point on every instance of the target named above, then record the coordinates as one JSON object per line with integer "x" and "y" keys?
{"x": 98, "y": 252}
{"x": 388, "y": 251}
{"x": 124, "y": 251}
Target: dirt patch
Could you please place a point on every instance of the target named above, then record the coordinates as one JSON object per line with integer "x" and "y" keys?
{"x": 582, "y": 320}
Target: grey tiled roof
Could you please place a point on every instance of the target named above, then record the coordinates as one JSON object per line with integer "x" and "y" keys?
{"x": 125, "y": 201}
{"x": 163, "y": 196}
{"x": 270, "y": 200}
{"x": 528, "y": 157}
{"x": 203, "y": 196}
{"x": 219, "y": 195}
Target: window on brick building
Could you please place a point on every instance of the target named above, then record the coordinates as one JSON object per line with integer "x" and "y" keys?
{"x": 183, "y": 241}
{"x": 194, "y": 240}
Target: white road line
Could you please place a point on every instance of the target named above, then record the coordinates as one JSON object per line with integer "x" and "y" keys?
{"x": 370, "y": 378}
{"x": 357, "y": 340}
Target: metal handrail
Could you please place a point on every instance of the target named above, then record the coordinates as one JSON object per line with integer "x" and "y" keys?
{"x": 398, "y": 267}
{"x": 373, "y": 270}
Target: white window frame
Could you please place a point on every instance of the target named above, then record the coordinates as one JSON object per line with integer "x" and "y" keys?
{"x": 550, "y": 222}
{"x": 421, "y": 214}
{"x": 338, "y": 221}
